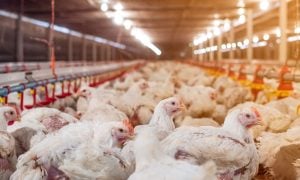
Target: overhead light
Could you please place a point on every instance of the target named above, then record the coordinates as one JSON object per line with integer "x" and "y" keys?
{"x": 216, "y": 23}
{"x": 241, "y": 3}
{"x": 228, "y": 45}
{"x": 239, "y": 44}
{"x": 277, "y": 32}
{"x": 293, "y": 38}
{"x": 241, "y": 11}
{"x": 242, "y": 19}
{"x": 145, "y": 40}
{"x": 297, "y": 30}
{"x": 204, "y": 38}
{"x": 264, "y": 5}
{"x": 255, "y": 39}
{"x": 246, "y": 42}
{"x": 226, "y": 26}
{"x": 209, "y": 35}
{"x": 216, "y": 16}
{"x": 104, "y": 7}
{"x": 133, "y": 31}
{"x": 195, "y": 42}
{"x": 233, "y": 45}
{"x": 223, "y": 46}
{"x": 266, "y": 37}
{"x": 127, "y": 24}
{"x": 118, "y": 19}
{"x": 118, "y": 7}
{"x": 216, "y": 31}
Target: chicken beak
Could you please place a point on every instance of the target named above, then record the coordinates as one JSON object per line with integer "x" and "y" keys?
{"x": 131, "y": 136}
{"x": 18, "y": 118}
{"x": 259, "y": 122}
{"x": 213, "y": 96}
{"x": 182, "y": 106}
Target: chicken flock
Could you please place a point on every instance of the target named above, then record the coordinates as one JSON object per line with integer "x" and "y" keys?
{"x": 164, "y": 121}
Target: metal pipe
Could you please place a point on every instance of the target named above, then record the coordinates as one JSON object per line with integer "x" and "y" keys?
{"x": 21, "y": 87}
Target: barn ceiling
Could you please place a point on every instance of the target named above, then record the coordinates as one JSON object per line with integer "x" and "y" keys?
{"x": 171, "y": 24}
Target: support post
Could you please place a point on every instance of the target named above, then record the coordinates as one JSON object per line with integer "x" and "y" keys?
{"x": 231, "y": 40}
{"x": 113, "y": 53}
{"x": 94, "y": 51}
{"x": 19, "y": 43}
{"x": 211, "y": 53}
{"x": 250, "y": 34}
{"x": 102, "y": 52}
{"x": 283, "y": 30}
{"x": 108, "y": 53}
{"x": 83, "y": 50}
{"x": 219, "y": 44}
{"x": 70, "y": 48}
{"x": 194, "y": 56}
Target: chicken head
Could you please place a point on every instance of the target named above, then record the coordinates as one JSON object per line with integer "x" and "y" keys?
{"x": 8, "y": 115}
{"x": 173, "y": 106}
{"x": 121, "y": 133}
{"x": 249, "y": 117}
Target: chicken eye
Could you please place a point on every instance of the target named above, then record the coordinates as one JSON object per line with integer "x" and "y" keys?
{"x": 11, "y": 113}
{"x": 173, "y": 103}
{"x": 121, "y": 130}
{"x": 248, "y": 115}
{"x": 84, "y": 91}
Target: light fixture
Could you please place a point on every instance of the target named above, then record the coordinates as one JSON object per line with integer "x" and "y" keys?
{"x": 255, "y": 39}
{"x": 277, "y": 32}
{"x": 239, "y": 44}
{"x": 118, "y": 7}
{"x": 246, "y": 42}
{"x": 216, "y": 23}
{"x": 297, "y": 30}
{"x": 104, "y": 7}
{"x": 241, "y": 11}
{"x": 223, "y": 46}
{"x": 203, "y": 37}
{"x": 264, "y": 5}
{"x": 241, "y": 3}
{"x": 266, "y": 37}
{"x": 196, "y": 42}
{"x": 233, "y": 45}
{"x": 216, "y": 31}
{"x": 118, "y": 19}
{"x": 127, "y": 24}
{"x": 216, "y": 16}
{"x": 242, "y": 19}
{"x": 226, "y": 26}
{"x": 209, "y": 35}
{"x": 145, "y": 40}
{"x": 228, "y": 45}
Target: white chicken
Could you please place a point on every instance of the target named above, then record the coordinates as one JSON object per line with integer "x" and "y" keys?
{"x": 200, "y": 100}
{"x": 83, "y": 150}
{"x": 8, "y": 116}
{"x": 38, "y": 122}
{"x": 231, "y": 146}
{"x": 152, "y": 163}
{"x": 162, "y": 121}
{"x": 8, "y": 157}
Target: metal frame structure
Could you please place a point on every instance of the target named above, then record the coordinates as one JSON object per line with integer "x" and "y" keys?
{"x": 92, "y": 75}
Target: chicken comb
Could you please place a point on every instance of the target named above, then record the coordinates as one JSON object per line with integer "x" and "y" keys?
{"x": 128, "y": 124}
{"x": 256, "y": 112}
